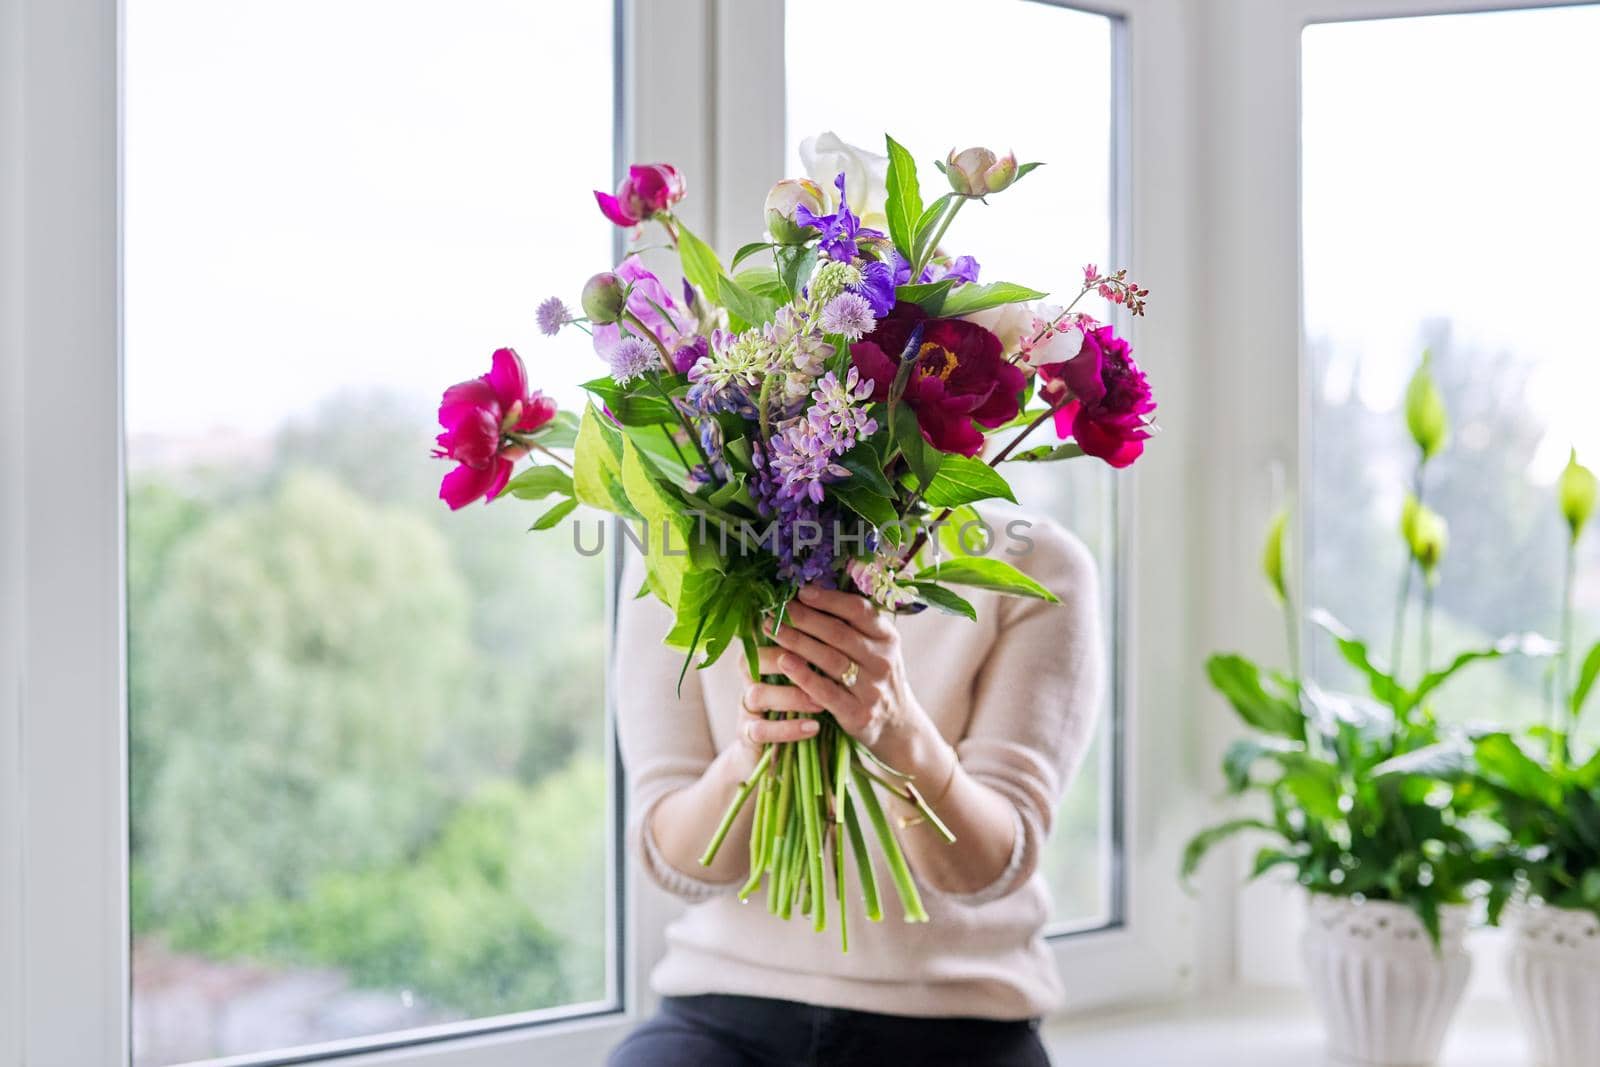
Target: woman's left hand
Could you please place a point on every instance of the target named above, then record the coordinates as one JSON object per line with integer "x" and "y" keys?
{"x": 829, "y": 639}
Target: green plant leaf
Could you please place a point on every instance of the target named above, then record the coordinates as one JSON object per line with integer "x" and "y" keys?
{"x": 966, "y": 480}
{"x": 1268, "y": 858}
{"x": 965, "y": 533}
{"x": 1527, "y": 644}
{"x": 927, "y": 224}
{"x": 1207, "y": 839}
{"x": 866, "y": 466}
{"x": 1502, "y": 761}
{"x": 1239, "y": 681}
{"x": 753, "y": 309}
{"x": 1046, "y": 453}
{"x": 762, "y": 281}
{"x": 671, "y": 533}
{"x": 554, "y": 516}
{"x": 923, "y": 459}
{"x": 973, "y": 297}
{"x": 746, "y": 251}
{"x": 1243, "y": 755}
{"x": 1444, "y": 760}
{"x": 866, "y": 502}
{"x": 794, "y": 267}
{"x": 536, "y": 483}
{"x": 1355, "y": 652}
{"x": 929, "y": 296}
{"x": 1586, "y": 678}
{"x": 943, "y": 599}
{"x": 597, "y": 465}
{"x": 904, "y": 203}
{"x": 700, "y": 263}
{"x": 993, "y": 574}
{"x": 559, "y": 432}
{"x": 630, "y": 406}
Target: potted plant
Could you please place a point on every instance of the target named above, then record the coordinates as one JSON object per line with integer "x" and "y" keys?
{"x": 1546, "y": 795}
{"x": 1387, "y": 853}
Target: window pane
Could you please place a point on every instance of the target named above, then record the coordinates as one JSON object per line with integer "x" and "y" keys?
{"x": 1057, "y": 68}
{"x": 1450, "y": 204}
{"x": 370, "y": 787}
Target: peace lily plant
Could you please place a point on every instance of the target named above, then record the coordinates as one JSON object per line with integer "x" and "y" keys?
{"x": 1349, "y": 796}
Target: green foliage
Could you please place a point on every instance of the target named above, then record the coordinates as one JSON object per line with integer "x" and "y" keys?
{"x": 929, "y": 296}
{"x": 982, "y": 572}
{"x": 970, "y": 298}
{"x": 700, "y": 263}
{"x": 966, "y": 480}
{"x": 904, "y": 203}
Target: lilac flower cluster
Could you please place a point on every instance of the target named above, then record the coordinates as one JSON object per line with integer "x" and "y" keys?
{"x": 805, "y": 450}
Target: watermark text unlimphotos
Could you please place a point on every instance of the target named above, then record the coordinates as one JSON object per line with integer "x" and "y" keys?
{"x": 974, "y": 537}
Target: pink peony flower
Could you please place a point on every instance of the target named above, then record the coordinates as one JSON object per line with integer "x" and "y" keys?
{"x": 1108, "y": 413}
{"x": 477, "y": 415}
{"x": 648, "y": 190}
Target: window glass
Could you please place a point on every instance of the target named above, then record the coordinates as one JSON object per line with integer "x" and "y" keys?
{"x": 1056, "y": 66}
{"x": 1449, "y": 204}
{"x": 370, "y": 778}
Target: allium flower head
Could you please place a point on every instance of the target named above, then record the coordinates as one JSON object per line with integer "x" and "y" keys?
{"x": 631, "y": 358}
{"x": 832, "y": 278}
{"x": 553, "y": 315}
{"x": 848, "y": 314}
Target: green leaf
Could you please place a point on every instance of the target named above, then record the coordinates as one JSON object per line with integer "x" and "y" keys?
{"x": 597, "y": 465}
{"x": 753, "y": 309}
{"x": 929, "y": 296}
{"x": 965, "y": 480}
{"x": 1024, "y": 169}
{"x": 923, "y": 459}
{"x": 866, "y": 466}
{"x": 536, "y": 483}
{"x": 746, "y": 251}
{"x": 1245, "y": 753}
{"x": 559, "y": 432}
{"x": 1046, "y": 453}
{"x": 671, "y": 533}
{"x": 1355, "y": 652}
{"x": 1445, "y": 760}
{"x": 1207, "y": 839}
{"x": 700, "y": 263}
{"x": 794, "y": 268}
{"x": 904, "y": 204}
{"x": 965, "y": 533}
{"x": 1268, "y": 858}
{"x": 943, "y": 599}
{"x": 630, "y": 406}
{"x": 554, "y": 515}
{"x": 762, "y": 281}
{"x": 1239, "y": 680}
{"x": 695, "y": 598}
{"x": 866, "y": 502}
{"x": 1586, "y": 679}
{"x": 1530, "y": 645}
{"x": 973, "y": 297}
{"x": 927, "y": 224}
{"x": 1502, "y": 761}
{"x": 993, "y": 574}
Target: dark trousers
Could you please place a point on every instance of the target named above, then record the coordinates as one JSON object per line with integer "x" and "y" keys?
{"x": 729, "y": 1031}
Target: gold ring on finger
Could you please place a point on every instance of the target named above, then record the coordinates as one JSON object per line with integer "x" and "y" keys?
{"x": 851, "y": 674}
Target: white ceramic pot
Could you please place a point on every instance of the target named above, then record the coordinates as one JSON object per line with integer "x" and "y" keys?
{"x": 1384, "y": 994}
{"x": 1555, "y": 983}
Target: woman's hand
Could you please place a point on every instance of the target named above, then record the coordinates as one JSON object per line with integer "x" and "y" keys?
{"x": 829, "y": 639}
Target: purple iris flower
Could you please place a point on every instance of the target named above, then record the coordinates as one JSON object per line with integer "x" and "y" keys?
{"x": 902, "y": 270}
{"x": 840, "y": 231}
{"x": 964, "y": 269}
{"x": 877, "y": 285}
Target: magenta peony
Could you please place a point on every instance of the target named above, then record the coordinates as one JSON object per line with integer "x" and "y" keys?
{"x": 1108, "y": 413}
{"x": 961, "y": 376}
{"x": 647, "y": 191}
{"x": 477, "y": 416}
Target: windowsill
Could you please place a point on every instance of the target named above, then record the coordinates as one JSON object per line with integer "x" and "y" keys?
{"x": 1258, "y": 1028}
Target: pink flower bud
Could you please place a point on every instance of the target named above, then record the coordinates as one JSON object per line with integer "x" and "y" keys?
{"x": 785, "y": 197}
{"x": 979, "y": 172}
{"x": 647, "y": 191}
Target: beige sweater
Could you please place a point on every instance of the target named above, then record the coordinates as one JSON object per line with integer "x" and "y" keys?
{"x": 1016, "y": 692}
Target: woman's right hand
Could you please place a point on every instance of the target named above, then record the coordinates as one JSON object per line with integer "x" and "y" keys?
{"x": 761, "y": 697}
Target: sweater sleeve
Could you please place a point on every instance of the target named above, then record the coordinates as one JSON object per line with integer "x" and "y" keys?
{"x": 664, "y": 734}
{"x": 1036, "y": 698}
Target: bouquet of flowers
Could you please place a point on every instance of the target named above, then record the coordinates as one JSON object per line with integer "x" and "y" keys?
{"x": 817, "y": 411}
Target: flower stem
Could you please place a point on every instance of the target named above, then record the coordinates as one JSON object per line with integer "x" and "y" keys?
{"x": 734, "y": 807}
{"x": 910, "y": 900}
{"x": 858, "y": 845}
